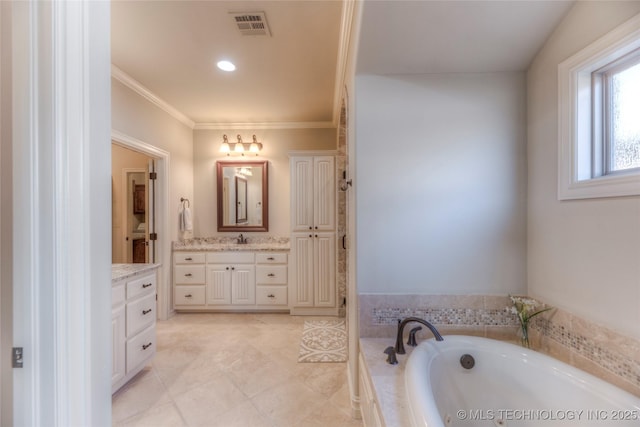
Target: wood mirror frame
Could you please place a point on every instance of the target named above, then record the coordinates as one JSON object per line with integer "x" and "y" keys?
{"x": 264, "y": 199}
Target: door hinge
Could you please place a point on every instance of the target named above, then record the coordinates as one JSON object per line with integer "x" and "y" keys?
{"x": 153, "y": 236}
{"x": 16, "y": 358}
{"x": 153, "y": 175}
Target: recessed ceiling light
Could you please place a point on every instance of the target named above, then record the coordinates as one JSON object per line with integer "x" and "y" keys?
{"x": 226, "y": 65}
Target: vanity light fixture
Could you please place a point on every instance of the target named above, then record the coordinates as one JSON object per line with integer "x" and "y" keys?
{"x": 240, "y": 147}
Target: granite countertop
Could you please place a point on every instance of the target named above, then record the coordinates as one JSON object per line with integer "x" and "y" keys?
{"x": 123, "y": 271}
{"x": 387, "y": 380}
{"x": 230, "y": 244}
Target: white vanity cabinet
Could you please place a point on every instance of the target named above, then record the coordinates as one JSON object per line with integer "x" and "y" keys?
{"x": 231, "y": 278}
{"x": 231, "y": 281}
{"x": 312, "y": 272}
{"x": 189, "y": 278}
{"x": 133, "y": 315}
{"x": 271, "y": 279}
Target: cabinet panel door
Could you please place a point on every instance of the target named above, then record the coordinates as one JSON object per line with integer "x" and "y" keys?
{"x": 118, "y": 348}
{"x": 302, "y": 270}
{"x": 324, "y": 193}
{"x": 243, "y": 284}
{"x": 218, "y": 284}
{"x": 302, "y": 193}
{"x": 325, "y": 269}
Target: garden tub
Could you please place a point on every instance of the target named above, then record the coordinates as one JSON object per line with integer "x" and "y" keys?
{"x": 503, "y": 384}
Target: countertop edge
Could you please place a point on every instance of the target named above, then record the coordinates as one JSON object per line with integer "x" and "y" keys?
{"x": 125, "y": 271}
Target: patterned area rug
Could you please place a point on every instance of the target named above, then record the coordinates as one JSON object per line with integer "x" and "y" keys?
{"x": 323, "y": 341}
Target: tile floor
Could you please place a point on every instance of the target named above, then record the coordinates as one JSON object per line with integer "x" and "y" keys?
{"x": 234, "y": 370}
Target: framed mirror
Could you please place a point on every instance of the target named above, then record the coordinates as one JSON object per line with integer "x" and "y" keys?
{"x": 242, "y": 196}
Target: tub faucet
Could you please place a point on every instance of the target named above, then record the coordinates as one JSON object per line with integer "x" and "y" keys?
{"x": 242, "y": 239}
{"x": 401, "y": 324}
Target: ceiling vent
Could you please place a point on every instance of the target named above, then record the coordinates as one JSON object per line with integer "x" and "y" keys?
{"x": 251, "y": 23}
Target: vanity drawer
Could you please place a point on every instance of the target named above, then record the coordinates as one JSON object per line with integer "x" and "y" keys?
{"x": 141, "y": 347}
{"x": 271, "y": 295}
{"x": 271, "y": 274}
{"x": 189, "y": 295}
{"x": 189, "y": 257}
{"x": 188, "y": 274}
{"x": 141, "y": 285}
{"x": 141, "y": 313}
{"x": 231, "y": 257}
{"x": 271, "y": 258}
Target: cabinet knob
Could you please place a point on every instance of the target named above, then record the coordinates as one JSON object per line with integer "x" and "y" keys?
{"x": 233, "y": 268}
{"x": 310, "y": 235}
{"x": 188, "y": 275}
{"x": 146, "y": 346}
{"x": 271, "y": 296}
{"x": 226, "y": 268}
{"x": 310, "y": 228}
{"x": 146, "y": 285}
{"x": 316, "y": 227}
{"x": 188, "y": 296}
{"x": 271, "y": 275}
{"x": 188, "y": 259}
{"x": 145, "y": 312}
{"x": 271, "y": 258}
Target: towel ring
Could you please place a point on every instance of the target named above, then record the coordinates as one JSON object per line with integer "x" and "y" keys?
{"x": 183, "y": 200}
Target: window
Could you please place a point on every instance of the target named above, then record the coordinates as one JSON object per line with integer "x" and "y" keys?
{"x": 599, "y": 117}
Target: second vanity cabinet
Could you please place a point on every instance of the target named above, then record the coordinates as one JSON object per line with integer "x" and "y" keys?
{"x": 230, "y": 281}
{"x": 133, "y": 317}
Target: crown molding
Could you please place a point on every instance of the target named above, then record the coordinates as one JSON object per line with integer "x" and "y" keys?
{"x": 265, "y": 125}
{"x": 141, "y": 90}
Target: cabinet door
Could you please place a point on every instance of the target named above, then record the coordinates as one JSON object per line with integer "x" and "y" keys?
{"x": 302, "y": 270}
{"x": 118, "y": 348}
{"x": 301, "y": 193}
{"x": 324, "y": 265}
{"x": 243, "y": 284}
{"x": 218, "y": 284}
{"x": 324, "y": 193}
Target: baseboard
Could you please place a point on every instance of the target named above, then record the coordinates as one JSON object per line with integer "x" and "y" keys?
{"x": 314, "y": 311}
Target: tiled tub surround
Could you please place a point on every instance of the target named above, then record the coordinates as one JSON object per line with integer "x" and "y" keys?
{"x": 569, "y": 338}
{"x": 258, "y": 243}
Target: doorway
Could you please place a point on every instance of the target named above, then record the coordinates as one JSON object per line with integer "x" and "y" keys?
{"x": 133, "y": 203}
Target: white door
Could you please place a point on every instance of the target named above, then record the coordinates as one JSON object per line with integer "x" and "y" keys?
{"x": 324, "y": 265}
{"x": 324, "y": 193}
{"x": 302, "y": 193}
{"x": 243, "y": 284}
{"x": 218, "y": 284}
{"x": 302, "y": 269}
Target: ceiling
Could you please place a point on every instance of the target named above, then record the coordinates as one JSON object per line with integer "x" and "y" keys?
{"x": 169, "y": 49}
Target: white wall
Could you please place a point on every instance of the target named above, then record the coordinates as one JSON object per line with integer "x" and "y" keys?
{"x": 276, "y": 145}
{"x": 441, "y": 184}
{"x": 138, "y": 118}
{"x": 583, "y": 255}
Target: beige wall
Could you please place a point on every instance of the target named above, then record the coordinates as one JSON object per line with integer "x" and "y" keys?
{"x": 583, "y": 255}
{"x": 276, "y": 145}
{"x": 138, "y": 118}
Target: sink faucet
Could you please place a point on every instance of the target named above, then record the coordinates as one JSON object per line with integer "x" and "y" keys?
{"x": 401, "y": 324}
{"x": 242, "y": 239}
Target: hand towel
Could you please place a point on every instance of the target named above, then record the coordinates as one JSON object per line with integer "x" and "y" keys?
{"x": 186, "y": 220}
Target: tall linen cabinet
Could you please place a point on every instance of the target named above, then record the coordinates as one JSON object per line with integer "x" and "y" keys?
{"x": 312, "y": 272}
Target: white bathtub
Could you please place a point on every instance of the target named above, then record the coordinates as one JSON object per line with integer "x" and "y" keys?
{"x": 508, "y": 386}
